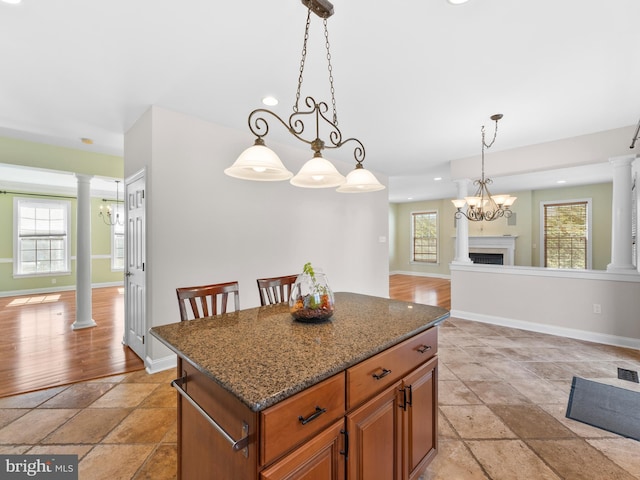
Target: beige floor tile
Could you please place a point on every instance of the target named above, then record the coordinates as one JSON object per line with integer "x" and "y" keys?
{"x": 91, "y": 425}
{"x": 30, "y": 400}
{"x": 475, "y": 422}
{"x": 79, "y": 450}
{"x": 14, "y": 449}
{"x": 453, "y": 354}
{"x": 623, "y": 451}
{"x": 143, "y": 425}
{"x": 530, "y": 421}
{"x": 172, "y": 434}
{"x": 591, "y": 369}
{"x": 164, "y": 396}
{"x": 454, "y": 392}
{"x": 540, "y": 391}
{"x": 32, "y": 427}
{"x": 508, "y": 369}
{"x": 484, "y": 353}
{"x": 559, "y": 412}
{"x": 80, "y": 395}
{"x": 141, "y": 376}
{"x": 577, "y": 459}
{"x": 161, "y": 465}
{"x": 496, "y": 341}
{"x": 453, "y": 462}
{"x": 496, "y": 393}
{"x": 113, "y": 462}
{"x": 8, "y": 415}
{"x": 445, "y": 431}
{"x": 445, "y": 373}
{"x": 549, "y": 370}
{"x": 124, "y": 395}
{"x": 510, "y": 460}
{"x": 472, "y": 371}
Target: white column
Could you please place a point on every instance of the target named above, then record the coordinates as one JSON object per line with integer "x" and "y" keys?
{"x": 83, "y": 255}
{"x": 621, "y": 244}
{"x": 462, "y": 227}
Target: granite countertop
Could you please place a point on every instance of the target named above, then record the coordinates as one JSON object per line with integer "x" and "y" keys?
{"x": 262, "y": 355}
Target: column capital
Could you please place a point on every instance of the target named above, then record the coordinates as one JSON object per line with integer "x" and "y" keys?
{"x": 622, "y": 160}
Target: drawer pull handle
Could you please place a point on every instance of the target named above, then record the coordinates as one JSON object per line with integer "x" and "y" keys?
{"x": 384, "y": 373}
{"x": 319, "y": 411}
{"x": 424, "y": 348}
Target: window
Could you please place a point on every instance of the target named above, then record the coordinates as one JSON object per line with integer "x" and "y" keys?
{"x": 41, "y": 243}
{"x": 566, "y": 233}
{"x": 425, "y": 237}
{"x": 117, "y": 239}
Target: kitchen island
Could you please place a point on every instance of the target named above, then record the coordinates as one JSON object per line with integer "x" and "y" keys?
{"x": 264, "y": 396}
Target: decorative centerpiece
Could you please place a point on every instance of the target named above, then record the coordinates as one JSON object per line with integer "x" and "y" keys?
{"x": 311, "y": 298}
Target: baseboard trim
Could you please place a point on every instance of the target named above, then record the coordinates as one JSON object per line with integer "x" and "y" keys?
{"x": 63, "y": 288}
{"x": 588, "y": 336}
{"x": 420, "y": 274}
{"x": 160, "y": 364}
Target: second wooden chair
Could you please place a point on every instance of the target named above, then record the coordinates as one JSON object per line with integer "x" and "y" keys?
{"x": 276, "y": 289}
{"x": 207, "y": 300}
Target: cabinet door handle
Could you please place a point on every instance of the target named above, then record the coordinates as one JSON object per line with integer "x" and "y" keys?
{"x": 424, "y": 348}
{"x": 384, "y": 373}
{"x": 345, "y": 452}
{"x": 410, "y": 401}
{"x": 319, "y": 411}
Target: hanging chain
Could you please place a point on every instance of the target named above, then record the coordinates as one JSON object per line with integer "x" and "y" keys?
{"x": 330, "y": 68}
{"x": 302, "y": 60}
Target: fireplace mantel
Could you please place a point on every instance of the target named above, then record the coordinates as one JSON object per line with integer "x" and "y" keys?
{"x": 505, "y": 244}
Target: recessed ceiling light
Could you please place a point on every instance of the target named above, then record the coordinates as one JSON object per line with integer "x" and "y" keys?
{"x": 13, "y": 2}
{"x": 86, "y": 141}
{"x": 561, "y": 181}
{"x": 437, "y": 179}
{"x": 270, "y": 101}
{"x": 457, "y": 2}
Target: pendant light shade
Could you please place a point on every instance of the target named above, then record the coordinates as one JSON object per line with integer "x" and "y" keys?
{"x": 318, "y": 173}
{"x": 259, "y": 163}
{"x": 360, "y": 180}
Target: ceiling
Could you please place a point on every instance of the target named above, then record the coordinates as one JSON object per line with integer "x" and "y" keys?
{"x": 414, "y": 79}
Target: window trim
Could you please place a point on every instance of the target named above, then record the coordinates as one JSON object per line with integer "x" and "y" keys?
{"x": 545, "y": 203}
{"x": 118, "y": 208}
{"x": 412, "y": 259}
{"x": 17, "y": 264}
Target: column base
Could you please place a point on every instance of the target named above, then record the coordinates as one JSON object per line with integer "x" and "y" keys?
{"x": 80, "y": 325}
{"x": 621, "y": 268}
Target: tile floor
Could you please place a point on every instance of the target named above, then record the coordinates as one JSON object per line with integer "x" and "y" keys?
{"x": 502, "y": 392}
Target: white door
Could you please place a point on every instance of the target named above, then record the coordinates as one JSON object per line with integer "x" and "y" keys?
{"x": 135, "y": 292}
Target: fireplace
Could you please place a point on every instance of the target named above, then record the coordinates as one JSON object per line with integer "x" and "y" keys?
{"x": 487, "y": 258}
{"x": 493, "y": 249}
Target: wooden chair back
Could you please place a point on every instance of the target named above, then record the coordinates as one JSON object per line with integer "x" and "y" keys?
{"x": 276, "y": 289}
{"x": 207, "y": 300}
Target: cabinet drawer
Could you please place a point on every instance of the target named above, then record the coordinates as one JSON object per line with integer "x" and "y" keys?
{"x": 301, "y": 416}
{"x": 376, "y": 373}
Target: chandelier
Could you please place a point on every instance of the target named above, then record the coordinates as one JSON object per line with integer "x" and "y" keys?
{"x": 262, "y": 164}
{"x": 109, "y": 217}
{"x": 483, "y": 205}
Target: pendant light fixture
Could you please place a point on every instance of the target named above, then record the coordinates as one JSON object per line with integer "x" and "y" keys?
{"x": 109, "y": 217}
{"x": 483, "y": 205}
{"x": 260, "y": 163}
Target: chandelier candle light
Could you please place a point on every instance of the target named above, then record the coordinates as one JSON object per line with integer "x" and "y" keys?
{"x": 483, "y": 205}
{"x": 109, "y": 218}
{"x": 260, "y": 163}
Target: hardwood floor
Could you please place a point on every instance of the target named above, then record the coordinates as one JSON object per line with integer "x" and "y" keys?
{"x": 426, "y": 290}
{"x": 38, "y": 348}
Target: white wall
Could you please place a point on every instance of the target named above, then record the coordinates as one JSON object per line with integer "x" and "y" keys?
{"x": 550, "y": 301}
{"x": 205, "y": 227}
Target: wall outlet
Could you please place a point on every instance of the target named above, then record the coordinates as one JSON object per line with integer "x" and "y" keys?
{"x": 53, "y": 280}
{"x": 597, "y": 308}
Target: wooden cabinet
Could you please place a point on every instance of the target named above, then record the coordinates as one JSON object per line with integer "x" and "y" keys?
{"x": 376, "y": 419}
{"x": 320, "y": 458}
